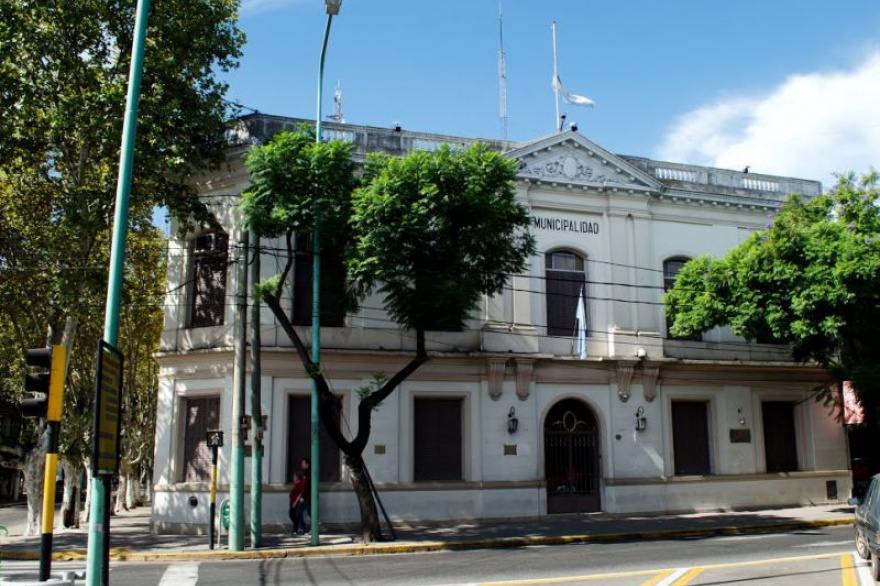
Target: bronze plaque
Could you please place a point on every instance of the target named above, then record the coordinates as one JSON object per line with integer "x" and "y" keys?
{"x": 740, "y": 436}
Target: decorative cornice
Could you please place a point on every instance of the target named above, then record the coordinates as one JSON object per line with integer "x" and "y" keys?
{"x": 524, "y": 368}
{"x": 649, "y": 382}
{"x": 625, "y": 372}
{"x": 495, "y": 370}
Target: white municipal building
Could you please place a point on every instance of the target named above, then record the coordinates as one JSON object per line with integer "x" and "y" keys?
{"x": 507, "y": 419}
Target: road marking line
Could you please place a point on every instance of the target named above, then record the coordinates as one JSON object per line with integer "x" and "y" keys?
{"x": 799, "y": 558}
{"x": 184, "y": 574}
{"x": 848, "y": 572}
{"x": 863, "y": 569}
{"x": 686, "y": 579}
{"x": 668, "y": 577}
{"x": 658, "y": 579}
{"x": 568, "y": 579}
{"x": 678, "y": 577}
{"x": 845, "y": 542}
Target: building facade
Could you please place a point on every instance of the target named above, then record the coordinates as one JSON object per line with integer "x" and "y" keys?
{"x": 510, "y": 417}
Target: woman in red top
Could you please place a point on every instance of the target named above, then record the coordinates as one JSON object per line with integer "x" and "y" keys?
{"x": 297, "y": 508}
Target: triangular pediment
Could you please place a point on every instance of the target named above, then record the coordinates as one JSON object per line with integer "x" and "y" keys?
{"x": 570, "y": 158}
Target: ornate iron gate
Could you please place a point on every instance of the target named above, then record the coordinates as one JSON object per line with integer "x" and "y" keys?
{"x": 571, "y": 459}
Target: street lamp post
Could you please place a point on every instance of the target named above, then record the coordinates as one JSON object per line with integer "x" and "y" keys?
{"x": 332, "y": 10}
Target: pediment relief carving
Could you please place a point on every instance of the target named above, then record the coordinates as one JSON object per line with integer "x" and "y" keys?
{"x": 571, "y": 158}
{"x": 573, "y": 168}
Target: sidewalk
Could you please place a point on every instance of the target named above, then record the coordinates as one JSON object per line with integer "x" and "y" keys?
{"x": 130, "y": 537}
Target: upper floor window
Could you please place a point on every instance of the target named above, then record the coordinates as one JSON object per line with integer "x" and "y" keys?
{"x": 332, "y": 306}
{"x": 566, "y": 280}
{"x": 671, "y": 268}
{"x": 208, "y": 293}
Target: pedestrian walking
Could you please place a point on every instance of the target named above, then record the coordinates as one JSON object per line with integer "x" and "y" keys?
{"x": 297, "y": 508}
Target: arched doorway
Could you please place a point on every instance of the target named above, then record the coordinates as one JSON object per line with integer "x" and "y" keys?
{"x": 571, "y": 458}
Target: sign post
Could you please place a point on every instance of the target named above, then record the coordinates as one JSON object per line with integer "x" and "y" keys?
{"x": 105, "y": 442}
{"x": 215, "y": 442}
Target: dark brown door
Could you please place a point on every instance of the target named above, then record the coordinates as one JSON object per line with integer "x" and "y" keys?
{"x": 780, "y": 447}
{"x": 690, "y": 438}
{"x": 571, "y": 458}
{"x": 201, "y": 415}
{"x": 299, "y": 441}
{"x": 437, "y": 436}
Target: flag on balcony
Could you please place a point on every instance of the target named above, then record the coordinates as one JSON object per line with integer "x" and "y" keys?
{"x": 581, "y": 318}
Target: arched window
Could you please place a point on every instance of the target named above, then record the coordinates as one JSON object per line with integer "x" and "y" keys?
{"x": 671, "y": 268}
{"x": 566, "y": 281}
{"x": 208, "y": 288}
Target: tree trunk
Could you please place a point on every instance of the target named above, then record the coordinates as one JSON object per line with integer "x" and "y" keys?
{"x": 126, "y": 490}
{"x": 34, "y": 471}
{"x": 119, "y": 503}
{"x": 70, "y": 501}
{"x": 145, "y": 481}
{"x": 371, "y": 531}
{"x": 131, "y": 492}
{"x": 87, "y": 505}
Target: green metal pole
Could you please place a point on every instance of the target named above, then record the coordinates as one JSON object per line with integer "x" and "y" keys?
{"x": 315, "y": 470}
{"x": 97, "y": 562}
{"x": 256, "y": 408}
{"x": 239, "y": 422}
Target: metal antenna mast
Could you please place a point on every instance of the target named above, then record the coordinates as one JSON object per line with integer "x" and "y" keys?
{"x": 502, "y": 77}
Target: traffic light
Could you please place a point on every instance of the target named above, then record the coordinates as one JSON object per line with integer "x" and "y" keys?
{"x": 37, "y": 383}
{"x": 45, "y": 388}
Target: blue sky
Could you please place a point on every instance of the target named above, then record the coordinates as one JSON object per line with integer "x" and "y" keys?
{"x": 789, "y": 87}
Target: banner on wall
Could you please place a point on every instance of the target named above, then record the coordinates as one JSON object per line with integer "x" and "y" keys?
{"x": 852, "y": 409}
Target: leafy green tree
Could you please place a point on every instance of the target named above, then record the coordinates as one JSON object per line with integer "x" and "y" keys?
{"x": 63, "y": 80}
{"x": 431, "y": 232}
{"x": 811, "y": 279}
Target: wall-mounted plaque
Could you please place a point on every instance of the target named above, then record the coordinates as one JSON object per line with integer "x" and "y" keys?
{"x": 740, "y": 436}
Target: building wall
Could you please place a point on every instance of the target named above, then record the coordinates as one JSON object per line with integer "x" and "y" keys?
{"x": 625, "y": 216}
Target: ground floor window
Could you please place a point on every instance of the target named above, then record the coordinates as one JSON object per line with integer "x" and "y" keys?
{"x": 299, "y": 441}
{"x": 438, "y": 440}
{"x": 780, "y": 445}
{"x": 199, "y": 415}
{"x": 690, "y": 438}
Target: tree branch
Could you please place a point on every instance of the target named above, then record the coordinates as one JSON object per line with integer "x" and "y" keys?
{"x": 366, "y": 406}
{"x": 327, "y": 404}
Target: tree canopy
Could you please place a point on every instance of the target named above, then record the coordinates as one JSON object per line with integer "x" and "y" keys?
{"x": 434, "y": 232}
{"x": 430, "y": 232}
{"x": 63, "y": 81}
{"x": 810, "y": 279}
{"x": 64, "y": 70}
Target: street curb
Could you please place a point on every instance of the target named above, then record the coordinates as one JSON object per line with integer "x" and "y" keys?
{"x": 126, "y": 554}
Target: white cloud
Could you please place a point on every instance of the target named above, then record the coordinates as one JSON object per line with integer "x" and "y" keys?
{"x": 810, "y": 126}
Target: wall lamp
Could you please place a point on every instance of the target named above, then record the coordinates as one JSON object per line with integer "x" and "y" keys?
{"x": 742, "y": 418}
{"x": 641, "y": 420}
{"x": 512, "y": 421}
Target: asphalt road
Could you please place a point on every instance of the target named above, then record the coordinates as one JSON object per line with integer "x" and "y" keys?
{"x": 806, "y": 558}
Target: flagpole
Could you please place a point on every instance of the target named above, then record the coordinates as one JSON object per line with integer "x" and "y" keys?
{"x": 555, "y": 78}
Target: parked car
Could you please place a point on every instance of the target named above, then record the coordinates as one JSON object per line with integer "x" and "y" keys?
{"x": 867, "y": 525}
